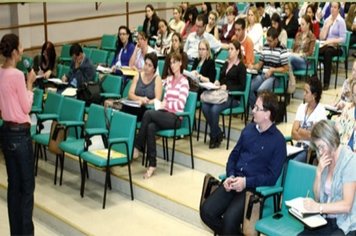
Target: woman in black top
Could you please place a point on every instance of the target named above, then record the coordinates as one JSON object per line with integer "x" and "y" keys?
{"x": 150, "y": 25}
{"x": 232, "y": 78}
{"x": 290, "y": 22}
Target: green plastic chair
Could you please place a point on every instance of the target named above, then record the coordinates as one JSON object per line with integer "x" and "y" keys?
{"x": 25, "y": 64}
{"x": 110, "y": 58}
{"x": 87, "y": 51}
{"x": 125, "y": 92}
{"x": 96, "y": 124}
{"x": 37, "y": 101}
{"x": 312, "y": 64}
{"x": 108, "y": 42}
{"x": 121, "y": 139}
{"x": 99, "y": 56}
{"x": 160, "y": 66}
{"x": 290, "y": 43}
{"x": 221, "y": 57}
{"x": 298, "y": 182}
{"x": 50, "y": 111}
{"x": 281, "y": 89}
{"x": 65, "y": 57}
{"x": 111, "y": 86}
{"x": 62, "y": 70}
{"x": 185, "y": 129}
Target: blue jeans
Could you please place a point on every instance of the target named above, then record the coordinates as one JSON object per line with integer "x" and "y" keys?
{"x": 258, "y": 84}
{"x": 211, "y": 113}
{"x": 223, "y": 211}
{"x": 297, "y": 63}
{"x": 17, "y": 148}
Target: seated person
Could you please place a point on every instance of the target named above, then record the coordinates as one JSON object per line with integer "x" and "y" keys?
{"x": 142, "y": 48}
{"x": 311, "y": 12}
{"x": 164, "y": 38}
{"x": 232, "y": 78}
{"x": 346, "y": 95}
{"x": 191, "y": 44}
{"x": 228, "y": 30}
{"x": 254, "y": 29}
{"x": 334, "y": 183}
{"x": 81, "y": 70}
{"x": 189, "y": 18}
{"x": 346, "y": 122}
{"x": 265, "y": 19}
{"x": 332, "y": 33}
{"x": 308, "y": 113}
{"x": 176, "y": 24}
{"x": 274, "y": 58}
{"x": 124, "y": 49}
{"x": 150, "y": 24}
{"x": 212, "y": 27}
{"x": 276, "y": 23}
{"x": 203, "y": 67}
{"x": 177, "y": 91}
{"x": 45, "y": 63}
{"x": 256, "y": 160}
{"x": 176, "y": 47}
{"x": 290, "y": 22}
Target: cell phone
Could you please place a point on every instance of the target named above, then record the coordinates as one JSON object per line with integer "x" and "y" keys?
{"x": 277, "y": 216}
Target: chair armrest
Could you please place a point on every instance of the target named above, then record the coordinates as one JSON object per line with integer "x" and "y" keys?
{"x": 95, "y": 131}
{"x": 44, "y": 117}
{"x": 269, "y": 190}
{"x": 236, "y": 93}
{"x": 150, "y": 106}
{"x": 71, "y": 123}
{"x": 184, "y": 113}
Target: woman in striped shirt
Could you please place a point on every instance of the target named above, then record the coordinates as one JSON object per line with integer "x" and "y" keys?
{"x": 177, "y": 90}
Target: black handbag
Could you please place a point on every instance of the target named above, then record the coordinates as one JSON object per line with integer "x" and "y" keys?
{"x": 210, "y": 184}
{"x": 90, "y": 93}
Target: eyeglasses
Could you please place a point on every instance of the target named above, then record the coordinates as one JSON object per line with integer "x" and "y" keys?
{"x": 256, "y": 108}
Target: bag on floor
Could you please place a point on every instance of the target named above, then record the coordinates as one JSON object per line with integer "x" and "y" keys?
{"x": 252, "y": 213}
{"x": 90, "y": 93}
{"x": 292, "y": 84}
{"x": 57, "y": 135}
{"x": 217, "y": 96}
{"x": 210, "y": 184}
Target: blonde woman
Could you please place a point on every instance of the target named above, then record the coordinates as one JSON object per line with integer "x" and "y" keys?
{"x": 254, "y": 29}
{"x": 176, "y": 24}
{"x": 221, "y": 9}
{"x": 211, "y": 27}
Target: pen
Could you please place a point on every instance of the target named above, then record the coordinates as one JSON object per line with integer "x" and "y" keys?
{"x": 307, "y": 194}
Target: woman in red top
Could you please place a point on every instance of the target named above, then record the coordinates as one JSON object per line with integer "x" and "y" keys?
{"x": 16, "y": 98}
{"x": 310, "y": 11}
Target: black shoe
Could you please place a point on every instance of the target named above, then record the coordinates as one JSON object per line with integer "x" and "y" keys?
{"x": 212, "y": 143}
{"x": 220, "y": 137}
{"x": 326, "y": 87}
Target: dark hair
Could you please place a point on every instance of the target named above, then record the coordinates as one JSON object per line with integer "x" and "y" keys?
{"x": 315, "y": 87}
{"x": 75, "y": 49}
{"x": 202, "y": 17}
{"x": 237, "y": 46}
{"x": 180, "y": 41}
{"x": 272, "y": 32}
{"x": 9, "y": 43}
{"x": 270, "y": 103}
{"x": 276, "y": 18}
{"x": 51, "y": 54}
{"x": 191, "y": 10}
{"x": 177, "y": 57}
{"x": 309, "y": 21}
{"x": 119, "y": 44}
{"x": 208, "y": 7}
{"x": 260, "y": 4}
{"x": 166, "y": 24}
{"x": 154, "y": 15}
{"x": 312, "y": 7}
{"x": 153, "y": 58}
{"x": 241, "y": 22}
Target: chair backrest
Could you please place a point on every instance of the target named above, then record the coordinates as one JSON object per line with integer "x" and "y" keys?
{"x": 222, "y": 54}
{"x": 290, "y": 43}
{"x": 99, "y": 56}
{"x": 87, "y": 51}
{"x": 190, "y": 107}
{"x": 110, "y": 58}
{"x": 112, "y": 84}
{"x": 298, "y": 182}
{"x": 37, "y": 98}
{"x": 96, "y": 117}
{"x": 125, "y": 93}
{"x": 62, "y": 70}
{"x": 25, "y": 64}
{"x": 217, "y": 75}
{"x": 108, "y": 42}
{"x": 65, "y": 50}
{"x": 71, "y": 110}
{"x": 139, "y": 28}
{"x": 160, "y": 66}
{"x": 247, "y": 89}
{"x": 346, "y": 45}
{"x": 123, "y": 125}
{"x": 53, "y": 103}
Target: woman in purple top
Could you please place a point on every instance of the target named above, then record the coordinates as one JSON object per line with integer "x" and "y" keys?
{"x": 332, "y": 34}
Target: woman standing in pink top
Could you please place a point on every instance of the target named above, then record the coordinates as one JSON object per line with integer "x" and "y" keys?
{"x": 16, "y": 98}
{"x": 177, "y": 90}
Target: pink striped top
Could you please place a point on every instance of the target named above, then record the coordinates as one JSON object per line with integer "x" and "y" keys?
{"x": 177, "y": 91}
{"x": 15, "y": 99}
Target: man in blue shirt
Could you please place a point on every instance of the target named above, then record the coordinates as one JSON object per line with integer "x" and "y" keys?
{"x": 256, "y": 160}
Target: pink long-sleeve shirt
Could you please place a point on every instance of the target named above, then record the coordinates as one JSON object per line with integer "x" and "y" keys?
{"x": 177, "y": 91}
{"x": 15, "y": 99}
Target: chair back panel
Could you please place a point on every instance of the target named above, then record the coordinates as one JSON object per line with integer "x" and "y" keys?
{"x": 108, "y": 42}
{"x": 87, "y": 51}
{"x": 65, "y": 50}
{"x": 123, "y": 125}
{"x": 37, "y": 98}
{"x": 125, "y": 93}
{"x": 62, "y": 70}
{"x": 298, "y": 182}
{"x": 190, "y": 107}
{"x": 53, "y": 103}
{"x": 99, "y": 56}
{"x": 247, "y": 89}
{"x": 96, "y": 117}
{"x": 160, "y": 66}
{"x": 71, "y": 109}
{"x": 112, "y": 84}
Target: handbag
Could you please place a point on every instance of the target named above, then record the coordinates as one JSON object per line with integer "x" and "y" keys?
{"x": 57, "y": 135}
{"x": 210, "y": 184}
{"x": 217, "y": 96}
{"x": 90, "y": 93}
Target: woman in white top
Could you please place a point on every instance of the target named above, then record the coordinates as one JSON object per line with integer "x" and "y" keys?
{"x": 176, "y": 23}
{"x": 164, "y": 37}
{"x": 137, "y": 59}
{"x": 277, "y": 24}
{"x": 254, "y": 29}
{"x": 308, "y": 113}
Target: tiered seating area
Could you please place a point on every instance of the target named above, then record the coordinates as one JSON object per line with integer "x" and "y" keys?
{"x": 163, "y": 205}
